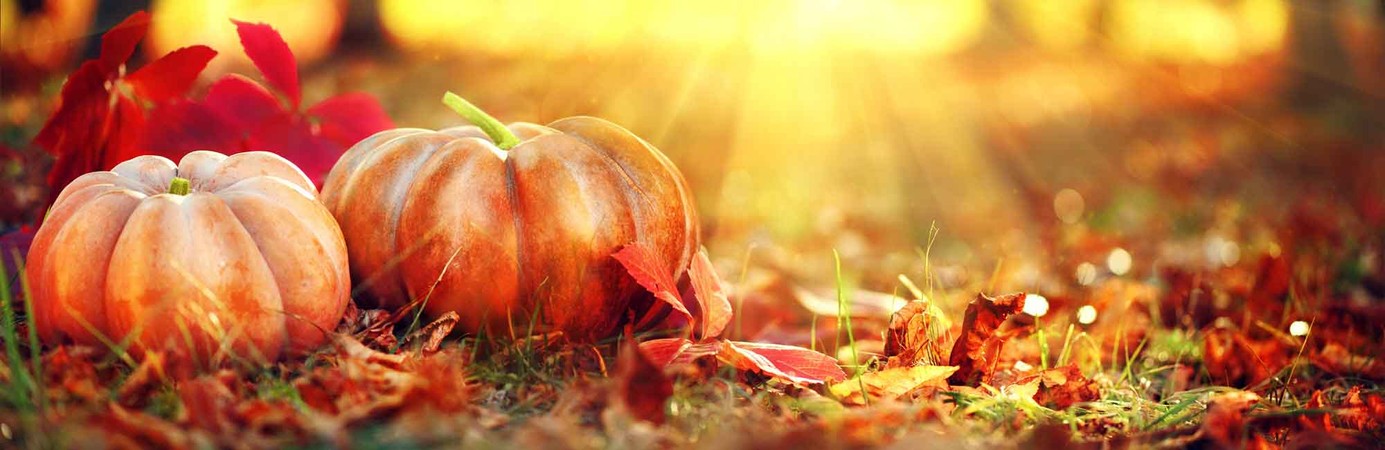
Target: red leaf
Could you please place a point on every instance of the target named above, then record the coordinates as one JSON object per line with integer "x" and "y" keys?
{"x": 661, "y": 352}
{"x": 711, "y": 295}
{"x": 348, "y": 118}
{"x": 119, "y": 42}
{"x": 181, "y": 126}
{"x": 646, "y": 271}
{"x": 171, "y": 75}
{"x": 126, "y": 137}
{"x": 267, "y": 49}
{"x": 243, "y": 101}
{"x": 75, "y": 132}
{"x": 795, "y": 364}
{"x": 291, "y": 136}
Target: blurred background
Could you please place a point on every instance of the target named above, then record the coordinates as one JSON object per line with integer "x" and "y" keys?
{"x": 1055, "y": 132}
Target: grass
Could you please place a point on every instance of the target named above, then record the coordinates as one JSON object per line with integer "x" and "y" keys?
{"x": 844, "y": 317}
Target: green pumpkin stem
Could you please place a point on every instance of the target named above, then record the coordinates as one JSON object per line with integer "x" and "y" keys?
{"x": 502, "y": 136}
{"x": 179, "y": 186}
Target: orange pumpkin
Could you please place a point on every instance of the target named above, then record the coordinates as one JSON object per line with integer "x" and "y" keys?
{"x": 229, "y": 257}
{"x": 509, "y": 224}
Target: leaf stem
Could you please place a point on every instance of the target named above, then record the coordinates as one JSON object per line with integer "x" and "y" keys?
{"x": 494, "y": 129}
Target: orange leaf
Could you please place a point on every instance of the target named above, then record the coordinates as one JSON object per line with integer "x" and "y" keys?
{"x": 978, "y": 347}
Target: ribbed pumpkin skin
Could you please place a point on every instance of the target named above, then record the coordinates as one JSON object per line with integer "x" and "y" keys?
{"x": 247, "y": 265}
{"x": 448, "y": 217}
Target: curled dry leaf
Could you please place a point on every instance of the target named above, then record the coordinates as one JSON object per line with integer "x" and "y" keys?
{"x": 351, "y": 349}
{"x": 891, "y": 383}
{"x": 978, "y": 347}
{"x": 917, "y": 336}
{"x": 374, "y": 327}
{"x": 431, "y": 335}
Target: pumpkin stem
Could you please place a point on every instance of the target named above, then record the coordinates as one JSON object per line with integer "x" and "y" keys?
{"x": 179, "y": 186}
{"x": 494, "y": 129}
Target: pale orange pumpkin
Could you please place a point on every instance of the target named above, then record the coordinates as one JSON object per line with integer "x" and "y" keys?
{"x": 229, "y": 257}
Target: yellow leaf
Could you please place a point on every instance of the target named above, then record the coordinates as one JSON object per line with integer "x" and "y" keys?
{"x": 891, "y": 383}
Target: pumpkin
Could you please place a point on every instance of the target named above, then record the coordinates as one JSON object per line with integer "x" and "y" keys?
{"x": 220, "y": 256}
{"x": 512, "y": 226}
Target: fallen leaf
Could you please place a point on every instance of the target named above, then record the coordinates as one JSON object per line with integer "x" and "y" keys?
{"x": 794, "y": 364}
{"x": 892, "y": 383}
{"x": 350, "y": 348}
{"x": 711, "y": 296}
{"x": 431, "y": 335}
{"x": 662, "y": 352}
{"x": 917, "y": 336}
{"x": 978, "y": 347}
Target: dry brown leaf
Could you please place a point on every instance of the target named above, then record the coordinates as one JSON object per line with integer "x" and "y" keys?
{"x": 350, "y": 348}
{"x": 978, "y": 347}
{"x": 373, "y": 327}
{"x": 918, "y": 336}
{"x": 432, "y": 334}
{"x": 890, "y": 384}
